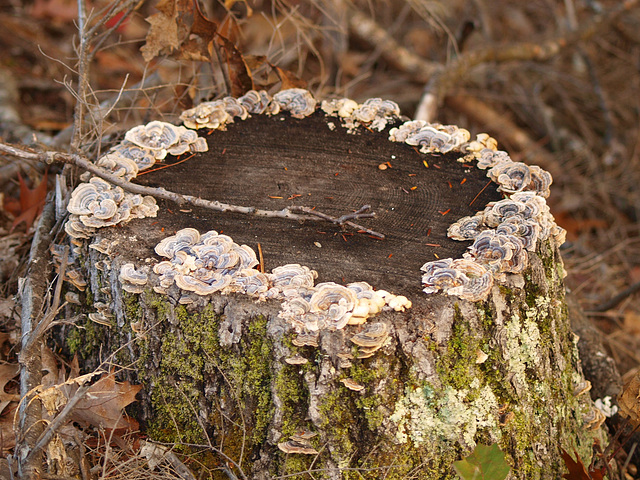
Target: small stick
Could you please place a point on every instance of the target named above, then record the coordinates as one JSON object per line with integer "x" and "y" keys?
{"x": 288, "y": 213}
{"x": 343, "y": 220}
{"x": 480, "y": 192}
{"x": 611, "y": 303}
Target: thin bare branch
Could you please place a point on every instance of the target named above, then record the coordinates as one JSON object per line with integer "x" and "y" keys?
{"x": 365, "y": 28}
{"x": 57, "y": 422}
{"x": 159, "y": 192}
{"x": 446, "y": 76}
{"x": 33, "y": 294}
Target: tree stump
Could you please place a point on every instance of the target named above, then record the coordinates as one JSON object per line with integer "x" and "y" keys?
{"x": 268, "y": 391}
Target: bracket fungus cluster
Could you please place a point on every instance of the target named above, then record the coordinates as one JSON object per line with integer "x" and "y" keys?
{"x": 329, "y": 306}
{"x": 462, "y": 277}
{"x": 214, "y": 115}
{"x": 96, "y": 203}
{"x": 374, "y": 112}
{"x": 503, "y": 233}
{"x": 299, "y": 442}
{"x": 211, "y": 262}
{"x": 430, "y": 137}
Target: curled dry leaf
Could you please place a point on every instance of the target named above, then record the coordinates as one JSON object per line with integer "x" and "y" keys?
{"x": 103, "y": 404}
{"x": 8, "y": 403}
{"x": 629, "y": 400}
{"x": 7, "y": 372}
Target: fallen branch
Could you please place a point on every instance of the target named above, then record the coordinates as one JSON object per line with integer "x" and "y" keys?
{"x": 441, "y": 78}
{"x": 288, "y": 212}
{"x": 366, "y": 29}
{"x": 614, "y": 301}
{"x": 449, "y": 75}
{"x": 33, "y": 295}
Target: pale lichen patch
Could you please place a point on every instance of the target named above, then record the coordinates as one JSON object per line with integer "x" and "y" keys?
{"x": 423, "y": 415}
{"x": 520, "y": 350}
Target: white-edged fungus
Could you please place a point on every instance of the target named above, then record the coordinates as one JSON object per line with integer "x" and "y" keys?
{"x": 541, "y": 181}
{"x": 132, "y": 280}
{"x": 593, "y": 419}
{"x": 260, "y": 101}
{"x": 488, "y": 158}
{"x": 297, "y": 101}
{"x": 98, "y": 204}
{"x": 404, "y": 131}
{"x": 143, "y": 157}
{"x": 104, "y": 245}
{"x": 482, "y": 141}
{"x": 499, "y": 253}
{"x": 293, "y": 275}
{"x": 292, "y": 446}
{"x": 119, "y": 165}
{"x": 467, "y": 228}
{"x": 215, "y": 114}
{"x": 164, "y": 138}
{"x": 582, "y": 387}
{"x": 72, "y": 297}
{"x": 75, "y": 277}
{"x": 436, "y": 138}
{"x": 373, "y": 335}
{"x": 333, "y": 305}
{"x": 463, "y": 277}
{"x": 511, "y": 177}
{"x": 306, "y": 338}
{"x": 252, "y": 282}
{"x": 527, "y": 230}
{"x": 296, "y": 360}
{"x": 182, "y": 239}
{"x": 342, "y": 107}
{"x": 352, "y": 384}
{"x": 376, "y": 112}
{"x": 76, "y": 229}
{"x": 100, "y": 318}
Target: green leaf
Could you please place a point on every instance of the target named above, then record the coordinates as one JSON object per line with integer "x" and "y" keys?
{"x": 485, "y": 463}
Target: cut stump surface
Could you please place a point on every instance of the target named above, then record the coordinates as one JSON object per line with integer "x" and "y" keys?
{"x": 275, "y": 162}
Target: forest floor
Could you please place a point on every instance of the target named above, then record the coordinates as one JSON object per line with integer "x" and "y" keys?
{"x": 556, "y": 82}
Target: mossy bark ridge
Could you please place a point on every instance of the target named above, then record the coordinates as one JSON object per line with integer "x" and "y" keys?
{"x": 228, "y": 369}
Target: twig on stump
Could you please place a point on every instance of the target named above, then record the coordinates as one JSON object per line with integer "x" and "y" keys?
{"x": 288, "y": 212}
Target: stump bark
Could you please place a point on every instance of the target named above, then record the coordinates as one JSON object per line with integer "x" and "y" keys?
{"x": 452, "y": 373}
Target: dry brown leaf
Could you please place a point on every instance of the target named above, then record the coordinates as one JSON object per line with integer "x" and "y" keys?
{"x": 7, "y": 437}
{"x": 179, "y": 29}
{"x": 289, "y": 79}
{"x": 631, "y": 322}
{"x": 30, "y": 204}
{"x": 49, "y": 365}
{"x": 7, "y": 373}
{"x": 577, "y": 470}
{"x": 8, "y": 404}
{"x": 629, "y": 400}
{"x": 103, "y": 404}
{"x": 239, "y": 73}
{"x": 228, "y": 4}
